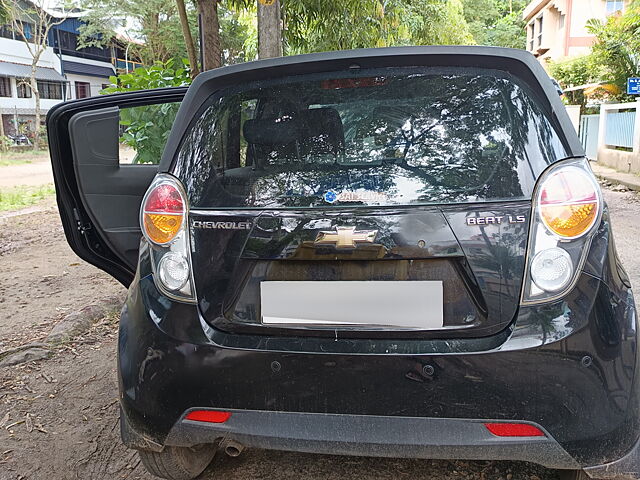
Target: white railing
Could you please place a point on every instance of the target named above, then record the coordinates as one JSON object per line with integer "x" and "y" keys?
{"x": 619, "y": 126}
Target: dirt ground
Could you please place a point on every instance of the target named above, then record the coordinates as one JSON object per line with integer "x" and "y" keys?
{"x": 59, "y": 417}
{"x": 35, "y": 171}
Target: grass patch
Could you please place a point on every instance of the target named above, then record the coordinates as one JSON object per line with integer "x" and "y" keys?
{"x": 22, "y": 157}
{"x": 22, "y": 196}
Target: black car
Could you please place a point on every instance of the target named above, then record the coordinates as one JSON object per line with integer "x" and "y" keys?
{"x": 390, "y": 252}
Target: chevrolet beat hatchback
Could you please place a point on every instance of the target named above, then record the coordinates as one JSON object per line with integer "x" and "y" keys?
{"x": 390, "y": 252}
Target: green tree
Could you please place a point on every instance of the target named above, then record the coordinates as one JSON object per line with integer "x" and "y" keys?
{"x": 574, "y": 72}
{"x": 320, "y": 25}
{"x": 210, "y": 14}
{"x": 4, "y": 11}
{"x": 155, "y": 22}
{"x": 496, "y": 22}
{"x": 146, "y": 128}
{"x": 617, "y": 49}
{"x": 188, "y": 37}
{"x": 33, "y": 24}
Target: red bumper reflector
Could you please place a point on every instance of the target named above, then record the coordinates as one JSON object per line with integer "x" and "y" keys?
{"x": 514, "y": 430}
{"x": 209, "y": 416}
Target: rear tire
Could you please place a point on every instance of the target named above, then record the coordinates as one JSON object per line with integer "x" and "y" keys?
{"x": 572, "y": 475}
{"x": 178, "y": 463}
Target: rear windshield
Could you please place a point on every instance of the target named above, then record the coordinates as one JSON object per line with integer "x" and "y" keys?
{"x": 378, "y": 137}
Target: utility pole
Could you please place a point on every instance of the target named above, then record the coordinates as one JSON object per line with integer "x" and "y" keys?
{"x": 269, "y": 29}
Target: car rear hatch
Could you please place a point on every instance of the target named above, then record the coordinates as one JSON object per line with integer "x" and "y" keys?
{"x": 392, "y": 202}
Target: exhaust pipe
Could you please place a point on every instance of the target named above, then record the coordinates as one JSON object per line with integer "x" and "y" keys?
{"x": 233, "y": 448}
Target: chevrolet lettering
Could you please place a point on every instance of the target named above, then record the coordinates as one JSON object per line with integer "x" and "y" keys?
{"x": 397, "y": 252}
{"x": 222, "y": 225}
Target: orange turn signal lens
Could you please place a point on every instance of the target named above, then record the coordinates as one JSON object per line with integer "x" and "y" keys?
{"x": 570, "y": 220}
{"x": 162, "y": 213}
{"x": 161, "y": 227}
{"x": 569, "y": 203}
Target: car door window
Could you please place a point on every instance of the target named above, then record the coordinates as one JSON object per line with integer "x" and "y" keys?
{"x": 144, "y": 131}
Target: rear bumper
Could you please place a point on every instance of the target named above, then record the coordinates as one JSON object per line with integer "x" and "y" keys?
{"x": 367, "y": 435}
{"x": 402, "y": 404}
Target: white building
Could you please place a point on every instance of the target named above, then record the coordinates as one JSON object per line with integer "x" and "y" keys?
{"x": 557, "y": 29}
{"x": 64, "y": 72}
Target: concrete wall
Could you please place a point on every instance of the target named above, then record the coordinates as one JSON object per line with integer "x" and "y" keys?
{"x": 623, "y": 161}
{"x": 9, "y": 104}
{"x": 95, "y": 82}
{"x": 16, "y": 51}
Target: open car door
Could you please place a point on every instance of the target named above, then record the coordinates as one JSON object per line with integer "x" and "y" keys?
{"x": 100, "y": 179}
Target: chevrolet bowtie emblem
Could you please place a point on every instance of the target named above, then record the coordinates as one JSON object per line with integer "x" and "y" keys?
{"x": 346, "y": 237}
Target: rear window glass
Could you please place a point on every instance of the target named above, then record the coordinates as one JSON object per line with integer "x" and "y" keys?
{"x": 378, "y": 137}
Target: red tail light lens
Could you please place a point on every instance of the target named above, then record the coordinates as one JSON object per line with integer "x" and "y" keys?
{"x": 514, "y": 430}
{"x": 162, "y": 213}
{"x": 208, "y": 416}
{"x": 569, "y": 202}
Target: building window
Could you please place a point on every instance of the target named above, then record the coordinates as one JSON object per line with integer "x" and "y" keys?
{"x": 50, "y": 90}
{"x": 561, "y": 20}
{"x": 24, "y": 90}
{"x": 27, "y": 29}
{"x": 83, "y": 89}
{"x": 614, "y": 6}
{"x": 6, "y": 31}
{"x": 531, "y": 36}
{"x": 539, "y": 22}
{"x": 5, "y": 87}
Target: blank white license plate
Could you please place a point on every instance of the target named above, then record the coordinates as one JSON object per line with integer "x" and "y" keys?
{"x": 398, "y": 304}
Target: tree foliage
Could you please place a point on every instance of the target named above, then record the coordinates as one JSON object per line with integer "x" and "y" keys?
{"x": 617, "y": 50}
{"x": 154, "y": 23}
{"x": 320, "y": 25}
{"x": 573, "y": 72}
{"x": 4, "y": 11}
{"x": 496, "y": 22}
{"x": 146, "y": 128}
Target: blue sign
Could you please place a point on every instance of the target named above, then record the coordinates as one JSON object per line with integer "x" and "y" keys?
{"x": 633, "y": 86}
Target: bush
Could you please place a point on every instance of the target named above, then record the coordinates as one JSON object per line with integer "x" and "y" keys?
{"x": 574, "y": 72}
{"x": 5, "y": 143}
{"x": 146, "y": 128}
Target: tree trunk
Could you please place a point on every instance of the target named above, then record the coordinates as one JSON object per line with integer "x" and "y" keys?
{"x": 210, "y": 34}
{"x": 188, "y": 39}
{"x": 269, "y": 29}
{"x": 36, "y": 95}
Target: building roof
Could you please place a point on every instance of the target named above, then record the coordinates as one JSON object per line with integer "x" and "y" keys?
{"x": 536, "y": 5}
{"x": 19, "y": 70}
{"x": 87, "y": 69}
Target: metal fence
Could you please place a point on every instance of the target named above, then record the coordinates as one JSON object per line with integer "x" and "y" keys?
{"x": 589, "y": 126}
{"x": 619, "y": 129}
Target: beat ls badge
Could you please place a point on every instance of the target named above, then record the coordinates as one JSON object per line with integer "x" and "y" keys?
{"x": 496, "y": 220}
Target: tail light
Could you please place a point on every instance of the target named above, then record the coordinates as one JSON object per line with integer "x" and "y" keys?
{"x": 163, "y": 220}
{"x": 566, "y": 211}
{"x": 162, "y": 213}
{"x": 569, "y": 202}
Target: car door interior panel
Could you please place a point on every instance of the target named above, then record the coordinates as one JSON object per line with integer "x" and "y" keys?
{"x": 112, "y": 192}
